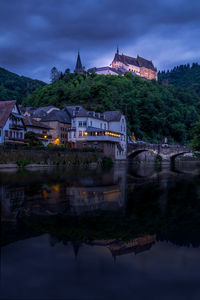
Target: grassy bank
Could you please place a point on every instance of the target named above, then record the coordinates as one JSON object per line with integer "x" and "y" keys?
{"x": 24, "y": 157}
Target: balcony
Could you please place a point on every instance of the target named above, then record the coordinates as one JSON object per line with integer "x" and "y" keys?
{"x": 12, "y": 140}
{"x": 16, "y": 126}
{"x": 101, "y": 138}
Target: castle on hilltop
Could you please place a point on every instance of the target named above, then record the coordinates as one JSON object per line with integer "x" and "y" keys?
{"x": 140, "y": 66}
{"x": 121, "y": 64}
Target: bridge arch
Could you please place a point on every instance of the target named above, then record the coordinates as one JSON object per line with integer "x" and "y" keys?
{"x": 134, "y": 153}
{"x": 174, "y": 155}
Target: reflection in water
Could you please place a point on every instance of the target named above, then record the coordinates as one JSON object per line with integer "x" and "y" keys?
{"x": 114, "y": 222}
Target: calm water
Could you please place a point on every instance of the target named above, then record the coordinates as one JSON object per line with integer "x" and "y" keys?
{"x": 132, "y": 232}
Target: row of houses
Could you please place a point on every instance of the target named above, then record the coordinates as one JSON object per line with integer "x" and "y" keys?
{"x": 73, "y": 127}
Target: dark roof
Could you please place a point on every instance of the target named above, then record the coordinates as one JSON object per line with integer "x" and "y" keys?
{"x": 82, "y": 112}
{"x": 139, "y": 61}
{"x": 33, "y": 123}
{"x": 6, "y": 108}
{"x": 57, "y": 115}
{"x": 71, "y": 108}
{"x": 145, "y": 63}
{"x": 112, "y": 115}
{"x": 79, "y": 67}
{"x": 41, "y": 112}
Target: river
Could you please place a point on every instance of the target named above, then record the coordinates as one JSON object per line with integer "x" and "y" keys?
{"x": 129, "y": 232}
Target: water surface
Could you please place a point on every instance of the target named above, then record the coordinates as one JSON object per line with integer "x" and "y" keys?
{"x": 132, "y": 232}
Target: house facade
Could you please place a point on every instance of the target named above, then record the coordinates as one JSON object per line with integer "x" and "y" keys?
{"x": 106, "y": 131}
{"x": 12, "y": 126}
{"x": 41, "y": 130}
{"x": 59, "y": 122}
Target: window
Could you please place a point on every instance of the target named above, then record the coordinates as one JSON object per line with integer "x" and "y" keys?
{"x": 10, "y": 133}
{"x": 80, "y": 124}
{"x": 0, "y": 132}
{"x": 21, "y": 135}
{"x": 6, "y": 133}
{"x": 100, "y": 125}
{"x": 80, "y": 133}
{"x": 84, "y": 123}
{"x": 90, "y": 123}
{"x": 104, "y": 125}
{"x": 74, "y": 134}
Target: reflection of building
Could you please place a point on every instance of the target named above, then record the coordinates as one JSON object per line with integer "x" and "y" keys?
{"x": 107, "y": 193}
{"x": 12, "y": 200}
{"x": 94, "y": 198}
{"x": 136, "y": 245}
{"x": 12, "y": 127}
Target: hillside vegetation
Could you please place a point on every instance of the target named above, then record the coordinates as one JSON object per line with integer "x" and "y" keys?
{"x": 153, "y": 111}
{"x": 186, "y": 77}
{"x": 15, "y": 87}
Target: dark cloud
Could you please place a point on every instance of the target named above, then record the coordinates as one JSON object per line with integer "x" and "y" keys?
{"x": 36, "y": 35}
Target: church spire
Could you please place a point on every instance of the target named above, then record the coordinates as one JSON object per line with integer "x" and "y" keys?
{"x": 117, "y": 50}
{"x": 79, "y": 68}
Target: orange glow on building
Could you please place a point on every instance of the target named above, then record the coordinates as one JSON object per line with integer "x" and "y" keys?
{"x": 56, "y": 141}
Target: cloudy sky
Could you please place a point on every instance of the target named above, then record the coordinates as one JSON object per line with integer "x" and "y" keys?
{"x": 36, "y": 35}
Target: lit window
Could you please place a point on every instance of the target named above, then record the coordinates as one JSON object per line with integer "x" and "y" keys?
{"x": 80, "y": 133}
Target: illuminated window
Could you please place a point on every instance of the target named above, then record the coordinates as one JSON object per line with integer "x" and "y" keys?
{"x": 80, "y": 133}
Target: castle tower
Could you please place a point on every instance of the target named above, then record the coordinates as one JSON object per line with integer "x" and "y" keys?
{"x": 79, "y": 68}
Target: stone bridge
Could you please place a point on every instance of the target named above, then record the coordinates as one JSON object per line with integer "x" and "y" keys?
{"x": 167, "y": 152}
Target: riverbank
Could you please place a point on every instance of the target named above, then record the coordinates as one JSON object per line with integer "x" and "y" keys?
{"x": 32, "y": 158}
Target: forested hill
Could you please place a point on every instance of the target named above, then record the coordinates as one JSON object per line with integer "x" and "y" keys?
{"x": 186, "y": 77}
{"x": 15, "y": 87}
{"x": 152, "y": 110}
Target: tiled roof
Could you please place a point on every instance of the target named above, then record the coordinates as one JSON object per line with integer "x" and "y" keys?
{"x": 41, "y": 112}
{"x": 6, "y": 108}
{"x": 33, "y": 123}
{"x": 57, "y": 115}
{"x": 112, "y": 115}
{"x": 139, "y": 61}
{"x": 71, "y": 108}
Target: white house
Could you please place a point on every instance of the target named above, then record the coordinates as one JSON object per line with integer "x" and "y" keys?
{"x": 104, "y": 71}
{"x": 12, "y": 127}
{"x": 106, "y": 131}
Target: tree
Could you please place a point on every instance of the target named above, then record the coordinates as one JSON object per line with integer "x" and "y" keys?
{"x": 33, "y": 139}
{"x": 55, "y": 75}
{"x": 196, "y": 138}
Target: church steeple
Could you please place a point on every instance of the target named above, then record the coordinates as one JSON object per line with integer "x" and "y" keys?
{"x": 79, "y": 68}
{"x": 117, "y": 50}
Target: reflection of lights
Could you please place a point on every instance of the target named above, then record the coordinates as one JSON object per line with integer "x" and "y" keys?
{"x": 56, "y": 188}
{"x": 44, "y": 194}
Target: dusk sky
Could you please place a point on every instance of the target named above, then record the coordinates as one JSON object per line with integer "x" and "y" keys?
{"x": 36, "y": 35}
